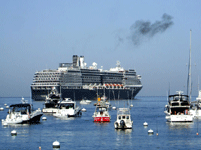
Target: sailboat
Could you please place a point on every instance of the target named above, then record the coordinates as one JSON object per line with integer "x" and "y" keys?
{"x": 178, "y": 107}
{"x": 196, "y": 109}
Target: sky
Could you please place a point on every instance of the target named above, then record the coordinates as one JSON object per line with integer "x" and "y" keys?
{"x": 150, "y": 36}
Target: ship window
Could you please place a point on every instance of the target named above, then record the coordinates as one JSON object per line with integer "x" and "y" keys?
{"x": 119, "y": 117}
{"x": 123, "y": 117}
{"x": 127, "y": 117}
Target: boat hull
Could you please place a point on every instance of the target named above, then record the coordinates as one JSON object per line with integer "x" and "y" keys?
{"x": 36, "y": 118}
{"x": 179, "y": 118}
{"x": 117, "y": 125}
{"x": 50, "y": 110}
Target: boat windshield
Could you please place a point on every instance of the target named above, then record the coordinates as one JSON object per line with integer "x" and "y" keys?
{"x": 102, "y": 109}
{"x": 123, "y": 111}
{"x": 67, "y": 105}
{"x": 22, "y": 109}
{"x": 178, "y": 98}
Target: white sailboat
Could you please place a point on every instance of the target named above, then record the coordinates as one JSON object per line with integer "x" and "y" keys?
{"x": 178, "y": 107}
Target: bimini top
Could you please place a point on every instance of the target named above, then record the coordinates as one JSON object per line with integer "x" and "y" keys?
{"x": 178, "y": 97}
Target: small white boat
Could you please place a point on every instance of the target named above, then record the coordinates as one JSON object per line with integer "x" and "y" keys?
{"x": 114, "y": 108}
{"x": 123, "y": 119}
{"x": 178, "y": 108}
{"x": 85, "y": 102}
{"x": 22, "y": 113}
{"x": 68, "y": 108}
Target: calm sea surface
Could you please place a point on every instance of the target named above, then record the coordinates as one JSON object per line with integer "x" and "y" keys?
{"x": 83, "y": 133}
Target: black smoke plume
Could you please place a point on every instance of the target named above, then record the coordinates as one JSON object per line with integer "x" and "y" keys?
{"x": 144, "y": 29}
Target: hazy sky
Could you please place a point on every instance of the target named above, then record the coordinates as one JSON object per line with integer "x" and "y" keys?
{"x": 36, "y": 35}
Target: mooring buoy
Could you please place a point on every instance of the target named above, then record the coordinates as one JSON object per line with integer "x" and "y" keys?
{"x": 56, "y": 144}
{"x": 44, "y": 118}
{"x": 150, "y": 131}
{"x": 84, "y": 110}
{"x": 145, "y": 124}
{"x": 14, "y": 133}
{"x": 114, "y": 108}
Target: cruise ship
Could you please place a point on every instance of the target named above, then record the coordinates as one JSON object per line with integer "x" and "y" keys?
{"x": 77, "y": 81}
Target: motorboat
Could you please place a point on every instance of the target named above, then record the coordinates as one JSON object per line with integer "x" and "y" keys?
{"x": 123, "y": 119}
{"x": 196, "y": 109}
{"x": 68, "y": 108}
{"x": 52, "y": 101}
{"x": 22, "y": 113}
{"x": 178, "y": 108}
{"x": 85, "y": 102}
{"x": 101, "y": 113}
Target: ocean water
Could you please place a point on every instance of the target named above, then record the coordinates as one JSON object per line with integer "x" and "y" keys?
{"x": 82, "y": 133}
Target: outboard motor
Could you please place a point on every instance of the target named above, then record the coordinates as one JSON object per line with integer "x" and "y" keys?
{"x": 122, "y": 123}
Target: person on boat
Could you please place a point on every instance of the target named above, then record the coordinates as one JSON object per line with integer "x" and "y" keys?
{"x": 186, "y": 112}
{"x": 175, "y": 112}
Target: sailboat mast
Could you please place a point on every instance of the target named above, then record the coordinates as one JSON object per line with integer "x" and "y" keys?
{"x": 198, "y": 85}
{"x": 190, "y": 67}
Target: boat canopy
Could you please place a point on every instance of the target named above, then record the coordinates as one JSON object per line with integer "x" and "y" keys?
{"x": 178, "y": 97}
{"x": 20, "y": 105}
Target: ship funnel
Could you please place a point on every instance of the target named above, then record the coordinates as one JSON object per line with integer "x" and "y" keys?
{"x": 82, "y": 64}
{"x": 75, "y": 61}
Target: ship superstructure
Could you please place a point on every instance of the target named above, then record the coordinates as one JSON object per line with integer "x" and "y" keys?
{"x": 77, "y": 81}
